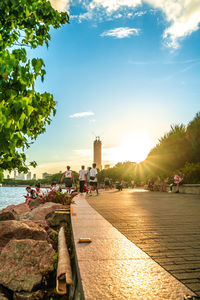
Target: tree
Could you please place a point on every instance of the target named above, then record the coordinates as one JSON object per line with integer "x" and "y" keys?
{"x": 193, "y": 135}
{"x": 24, "y": 112}
{"x": 171, "y": 153}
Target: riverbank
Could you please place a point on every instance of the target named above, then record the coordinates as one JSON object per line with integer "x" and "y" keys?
{"x": 28, "y": 249}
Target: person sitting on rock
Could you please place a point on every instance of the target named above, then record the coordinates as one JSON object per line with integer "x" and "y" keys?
{"x": 54, "y": 187}
{"x": 38, "y": 191}
{"x": 31, "y": 195}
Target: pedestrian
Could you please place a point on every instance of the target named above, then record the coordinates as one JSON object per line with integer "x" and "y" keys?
{"x": 82, "y": 178}
{"x": 68, "y": 178}
{"x": 88, "y": 181}
{"x": 93, "y": 178}
{"x": 106, "y": 183}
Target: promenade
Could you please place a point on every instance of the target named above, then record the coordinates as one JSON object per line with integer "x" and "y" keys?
{"x": 165, "y": 226}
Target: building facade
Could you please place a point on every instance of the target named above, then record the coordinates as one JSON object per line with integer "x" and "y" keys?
{"x": 28, "y": 177}
{"x": 97, "y": 147}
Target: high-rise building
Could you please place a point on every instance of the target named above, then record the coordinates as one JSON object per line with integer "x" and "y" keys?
{"x": 20, "y": 176}
{"x": 34, "y": 176}
{"x": 97, "y": 145}
{"x": 28, "y": 177}
{"x": 15, "y": 174}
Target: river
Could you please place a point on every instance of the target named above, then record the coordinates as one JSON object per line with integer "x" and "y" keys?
{"x": 12, "y": 196}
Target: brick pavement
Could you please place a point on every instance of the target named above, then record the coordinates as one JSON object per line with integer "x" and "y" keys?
{"x": 165, "y": 226}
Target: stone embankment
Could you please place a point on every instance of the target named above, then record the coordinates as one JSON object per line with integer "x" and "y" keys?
{"x": 28, "y": 250}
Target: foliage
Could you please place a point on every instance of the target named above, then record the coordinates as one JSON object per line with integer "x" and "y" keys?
{"x": 24, "y": 112}
{"x": 14, "y": 182}
{"x": 121, "y": 171}
{"x": 192, "y": 173}
{"x": 193, "y": 136}
{"x": 177, "y": 149}
{"x": 57, "y": 197}
{"x": 57, "y": 178}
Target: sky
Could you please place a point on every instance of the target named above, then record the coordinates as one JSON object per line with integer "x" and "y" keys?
{"x": 124, "y": 70}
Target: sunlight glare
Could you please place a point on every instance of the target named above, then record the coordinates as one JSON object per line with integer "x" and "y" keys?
{"x": 134, "y": 147}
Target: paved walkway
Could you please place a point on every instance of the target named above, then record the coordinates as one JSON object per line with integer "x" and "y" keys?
{"x": 165, "y": 226}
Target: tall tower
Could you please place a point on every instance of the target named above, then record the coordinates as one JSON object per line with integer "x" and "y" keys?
{"x": 97, "y": 152}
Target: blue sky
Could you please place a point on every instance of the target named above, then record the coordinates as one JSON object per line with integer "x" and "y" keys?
{"x": 122, "y": 69}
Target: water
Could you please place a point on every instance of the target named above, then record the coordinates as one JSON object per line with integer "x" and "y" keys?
{"x": 11, "y": 196}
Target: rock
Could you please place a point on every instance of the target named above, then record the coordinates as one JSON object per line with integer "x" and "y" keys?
{"x": 35, "y": 203}
{"x": 22, "y": 210}
{"x": 40, "y": 212}
{"x": 57, "y": 219}
{"x": 24, "y": 262}
{"x": 13, "y": 229}
{"x": 14, "y": 212}
{"x": 7, "y": 215}
{"x": 29, "y": 296}
{"x": 53, "y": 235}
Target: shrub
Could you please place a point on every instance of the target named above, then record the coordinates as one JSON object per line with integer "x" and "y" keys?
{"x": 57, "y": 197}
{"x": 192, "y": 173}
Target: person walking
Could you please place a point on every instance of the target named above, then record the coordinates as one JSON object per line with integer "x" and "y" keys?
{"x": 93, "y": 178}
{"x": 69, "y": 179}
{"x": 88, "y": 181}
{"x": 82, "y": 178}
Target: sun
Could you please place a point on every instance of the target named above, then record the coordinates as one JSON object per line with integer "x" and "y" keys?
{"x": 133, "y": 146}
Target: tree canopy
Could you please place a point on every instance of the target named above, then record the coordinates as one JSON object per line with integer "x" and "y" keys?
{"x": 177, "y": 149}
{"x": 24, "y": 112}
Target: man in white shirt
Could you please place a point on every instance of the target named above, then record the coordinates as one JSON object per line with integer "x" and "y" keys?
{"x": 69, "y": 179}
{"x": 93, "y": 178}
{"x": 82, "y": 178}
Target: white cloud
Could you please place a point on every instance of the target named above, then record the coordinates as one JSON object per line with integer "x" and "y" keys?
{"x": 121, "y": 32}
{"x": 113, "y": 5}
{"x": 60, "y": 5}
{"x": 182, "y": 16}
{"x": 82, "y": 114}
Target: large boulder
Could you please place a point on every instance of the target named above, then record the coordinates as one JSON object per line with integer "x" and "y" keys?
{"x": 14, "y": 212}
{"x": 27, "y": 229}
{"x": 22, "y": 210}
{"x": 8, "y": 213}
{"x": 40, "y": 212}
{"x": 24, "y": 262}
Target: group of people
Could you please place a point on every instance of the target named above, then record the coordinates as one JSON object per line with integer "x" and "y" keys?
{"x": 33, "y": 194}
{"x": 87, "y": 179}
{"x": 160, "y": 185}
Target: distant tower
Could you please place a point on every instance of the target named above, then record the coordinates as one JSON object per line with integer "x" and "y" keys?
{"x": 97, "y": 152}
